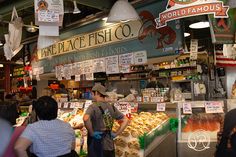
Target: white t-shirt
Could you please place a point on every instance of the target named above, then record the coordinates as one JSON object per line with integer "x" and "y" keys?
{"x": 49, "y": 138}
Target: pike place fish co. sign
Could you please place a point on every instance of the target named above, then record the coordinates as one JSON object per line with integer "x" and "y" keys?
{"x": 177, "y": 9}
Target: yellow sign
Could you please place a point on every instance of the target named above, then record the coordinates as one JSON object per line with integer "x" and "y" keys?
{"x": 108, "y": 35}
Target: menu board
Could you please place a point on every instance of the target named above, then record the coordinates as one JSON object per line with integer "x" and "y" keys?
{"x": 99, "y": 65}
{"x": 112, "y": 65}
{"x": 140, "y": 57}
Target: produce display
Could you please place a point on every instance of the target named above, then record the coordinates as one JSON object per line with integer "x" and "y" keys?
{"x": 127, "y": 144}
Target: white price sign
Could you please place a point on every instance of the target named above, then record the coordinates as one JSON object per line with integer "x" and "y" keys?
{"x": 161, "y": 107}
{"x": 79, "y": 105}
{"x": 187, "y": 108}
{"x": 72, "y": 105}
{"x": 65, "y": 105}
{"x": 123, "y": 107}
{"x": 214, "y": 107}
{"x": 59, "y": 105}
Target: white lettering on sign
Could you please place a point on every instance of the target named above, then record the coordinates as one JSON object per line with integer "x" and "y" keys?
{"x": 214, "y": 107}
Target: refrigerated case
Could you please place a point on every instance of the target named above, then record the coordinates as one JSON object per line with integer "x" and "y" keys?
{"x": 197, "y": 133}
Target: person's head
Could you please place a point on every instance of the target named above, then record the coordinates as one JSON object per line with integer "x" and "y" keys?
{"x": 46, "y": 108}
{"x": 227, "y": 138}
{"x": 61, "y": 86}
{"x": 8, "y": 111}
{"x": 99, "y": 92}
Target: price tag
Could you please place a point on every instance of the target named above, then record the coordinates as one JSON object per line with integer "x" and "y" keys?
{"x": 161, "y": 107}
{"x": 123, "y": 107}
{"x": 214, "y": 107}
{"x": 72, "y": 105}
{"x": 59, "y": 105}
{"x": 79, "y": 105}
{"x": 65, "y": 105}
{"x": 187, "y": 108}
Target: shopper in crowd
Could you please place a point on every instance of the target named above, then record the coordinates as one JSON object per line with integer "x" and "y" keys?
{"x": 8, "y": 111}
{"x": 98, "y": 120}
{"x": 62, "y": 89}
{"x": 49, "y": 136}
{"x": 227, "y": 143}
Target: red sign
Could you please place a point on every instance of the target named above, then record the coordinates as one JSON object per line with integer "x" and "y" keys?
{"x": 179, "y": 10}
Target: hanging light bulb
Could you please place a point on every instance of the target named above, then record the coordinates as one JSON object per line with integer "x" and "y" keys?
{"x": 121, "y": 11}
{"x": 200, "y": 25}
{"x": 76, "y": 9}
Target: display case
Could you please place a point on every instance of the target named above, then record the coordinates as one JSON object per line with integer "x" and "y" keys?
{"x": 197, "y": 133}
{"x": 146, "y": 134}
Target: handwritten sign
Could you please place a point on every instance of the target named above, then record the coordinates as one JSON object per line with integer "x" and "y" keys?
{"x": 161, "y": 107}
{"x": 214, "y": 107}
{"x": 140, "y": 57}
{"x": 99, "y": 65}
{"x": 112, "y": 66}
{"x": 187, "y": 108}
{"x": 123, "y": 107}
{"x": 77, "y": 77}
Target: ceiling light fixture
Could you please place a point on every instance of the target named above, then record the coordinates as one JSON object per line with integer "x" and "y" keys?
{"x": 1, "y": 44}
{"x": 186, "y": 34}
{"x": 76, "y": 9}
{"x": 121, "y": 11}
{"x": 1, "y": 65}
{"x": 31, "y": 28}
{"x": 199, "y": 25}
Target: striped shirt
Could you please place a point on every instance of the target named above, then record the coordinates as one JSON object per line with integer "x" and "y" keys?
{"x": 49, "y": 138}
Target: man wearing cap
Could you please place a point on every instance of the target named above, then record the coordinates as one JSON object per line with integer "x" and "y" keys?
{"x": 98, "y": 120}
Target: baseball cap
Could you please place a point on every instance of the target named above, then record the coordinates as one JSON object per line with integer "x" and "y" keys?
{"x": 99, "y": 88}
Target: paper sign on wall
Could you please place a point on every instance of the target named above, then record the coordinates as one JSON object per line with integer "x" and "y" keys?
{"x": 89, "y": 76}
{"x": 140, "y": 57}
{"x": 77, "y": 77}
{"x": 99, "y": 65}
{"x": 125, "y": 60}
{"x": 187, "y": 108}
{"x": 161, "y": 107}
{"x": 88, "y": 67}
{"x": 112, "y": 66}
{"x": 214, "y": 107}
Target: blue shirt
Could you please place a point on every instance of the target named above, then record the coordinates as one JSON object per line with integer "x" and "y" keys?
{"x": 49, "y": 138}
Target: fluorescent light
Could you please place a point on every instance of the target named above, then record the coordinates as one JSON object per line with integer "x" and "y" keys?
{"x": 76, "y": 9}
{"x": 122, "y": 10}
{"x": 199, "y": 25}
{"x": 1, "y": 66}
{"x": 31, "y": 28}
{"x": 186, "y": 34}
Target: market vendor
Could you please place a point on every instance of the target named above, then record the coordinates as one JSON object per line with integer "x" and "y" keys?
{"x": 154, "y": 83}
{"x": 98, "y": 120}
